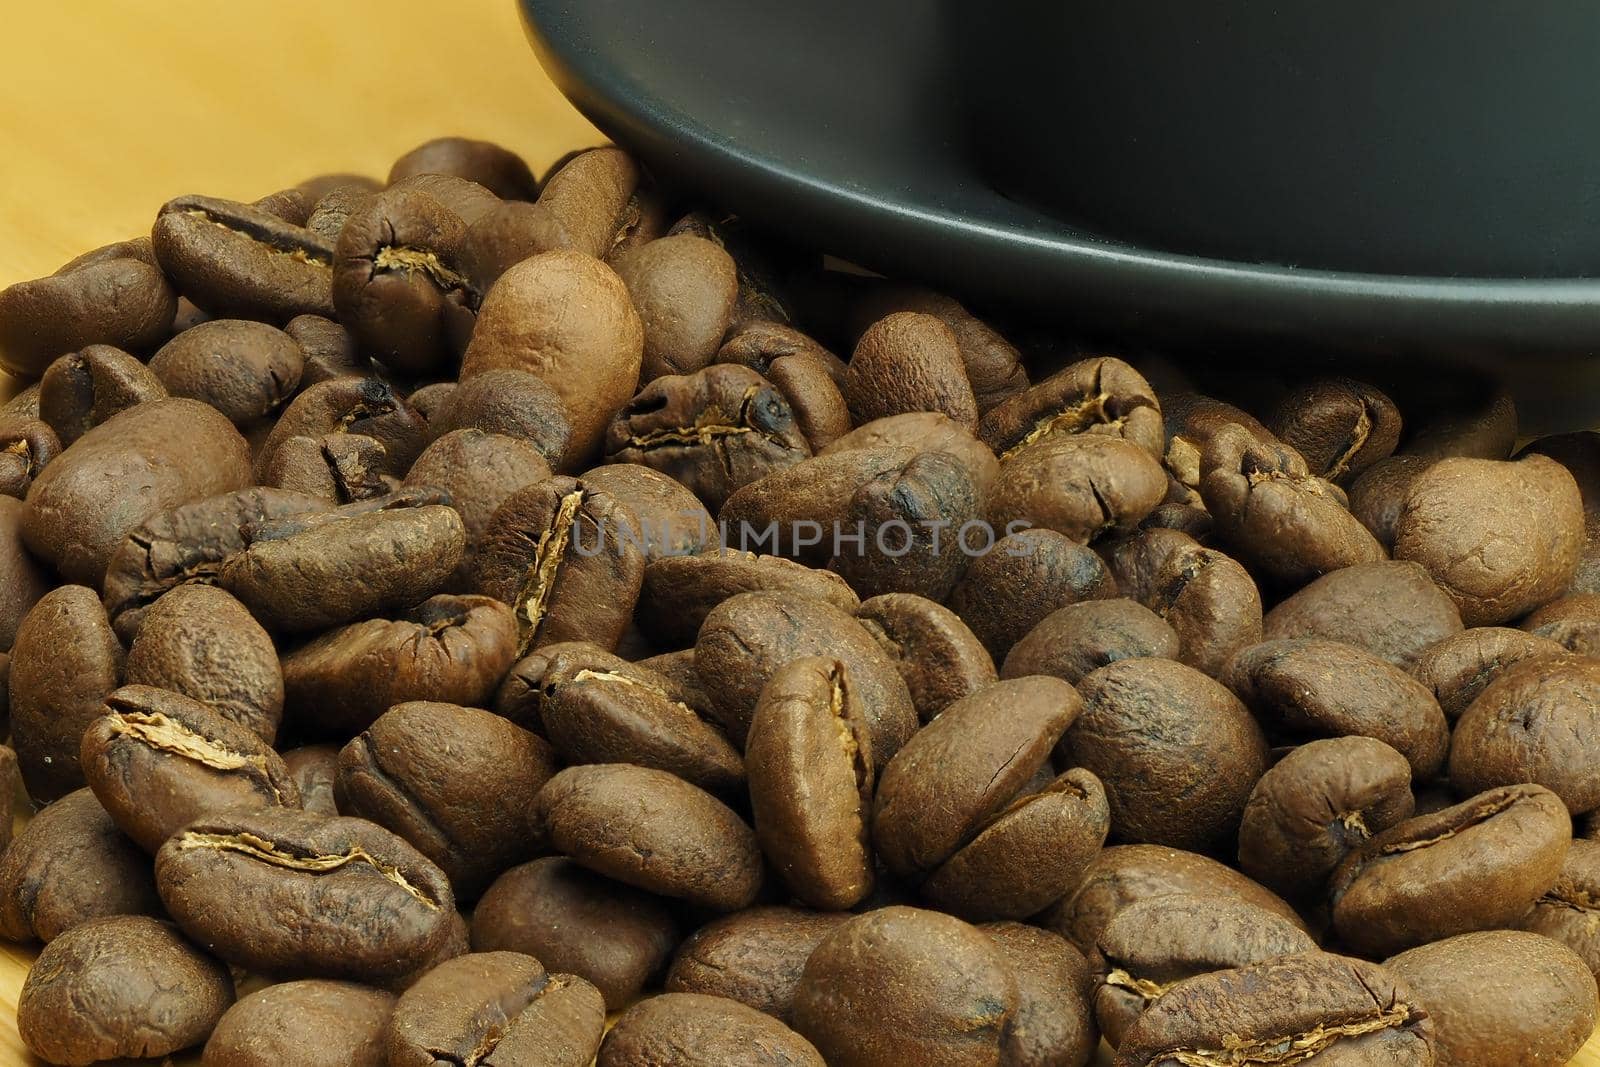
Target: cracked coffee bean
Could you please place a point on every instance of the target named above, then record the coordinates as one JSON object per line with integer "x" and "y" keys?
{"x": 1080, "y": 485}
{"x": 1094, "y": 396}
{"x": 340, "y": 468}
{"x": 1341, "y": 426}
{"x": 940, "y": 659}
{"x": 350, "y": 405}
{"x": 808, "y": 375}
{"x": 26, "y": 447}
{"x": 1567, "y": 912}
{"x": 478, "y": 471}
{"x": 238, "y": 261}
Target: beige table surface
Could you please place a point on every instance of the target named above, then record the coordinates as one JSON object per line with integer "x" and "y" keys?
{"x": 110, "y": 107}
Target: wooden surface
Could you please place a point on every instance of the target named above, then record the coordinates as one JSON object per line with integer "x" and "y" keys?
{"x": 114, "y": 106}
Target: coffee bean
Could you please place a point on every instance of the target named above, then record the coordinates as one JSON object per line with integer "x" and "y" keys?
{"x": 1480, "y": 865}
{"x": 1014, "y": 586}
{"x": 455, "y": 944}
{"x": 366, "y": 406}
{"x": 648, "y": 217}
{"x": 692, "y": 1030}
{"x": 1341, "y": 426}
{"x": 792, "y": 510}
{"x": 82, "y": 389}
{"x": 940, "y": 659}
{"x": 1191, "y": 420}
{"x": 679, "y": 592}
{"x": 332, "y": 210}
{"x": 26, "y": 446}
{"x": 68, "y": 865}
{"x": 653, "y": 831}
{"x": 671, "y": 517}
{"x": 589, "y": 196}
{"x": 1080, "y": 485}
{"x": 313, "y": 768}
{"x": 64, "y": 662}
{"x": 1322, "y": 1006}
{"x": 1572, "y": 620}
{"x": 1378, "y": 494}
{"x": 235, "y": 260}
{"x": 1392, "y": 609}
{"x": 909, "y": 361}
{"x": 1102, "y": 395}
{"x": 1500, "y": 538}
{"x": 496, "y": 1008}
{"x": 925, "y": 431}
{"x": 340, "y": 468}
{"x": 511, "y": 402}
{"x": 246, "y": 370}
{"x": 905, "y": 521}
{"x": 1502, "y": 997}
{"x": 809, "y": 376}
{"x": 116, "y": 295}
{"x": 291, "y": 893}
{"x": 684, "y": 288}
{"x": 1080, "y": 638}
{"x": 23, "y": 579}
{"x": 1053, "y": 1023}
{"x": 498, "y": 169}
{"x": 1482, "y": 425}
{"x": 326, "y": 348}
{"x": 507, "y": 234}
{"x": 122, "y": 986}
{"x": 25, "y": 404}
{"x": 479, "y": 471}
{"x": 1458, "y": 668}
{"x": 903, "y": 985}
{"x": 312, "y": 1023}
{"x": 143, "y": 461}
{"x": 755, "y": 956}
{"x": 1567, "y": 911}
{"x": 610, "y": 934}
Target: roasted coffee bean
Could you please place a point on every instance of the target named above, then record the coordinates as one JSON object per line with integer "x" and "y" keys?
{"x": 464, "y": 198}
{"x": 793, "y": 510}
{"x": 1080, "y": 638}
{"x": 291, "y": 893}
{"x": 1568, "y": 911}
{"x": 292, "y": 205}
{"x": 1379, "y": 493}
{"x": 23, "y": 579}
{"x": 236, "y": 260}
{"x": 671, "y": 518}
{"x": 1341, "y": 426}
{"x": 511, "y": 402}
{"x": 456, "y": 943}
{"x": 397, "y": 280}
{"x": 1152, "y": 945}
{"x": 136, "y": 464}
{"x": 747, "y": 637}
{"x": 648, "y": 217}
{"x": 1053, "y": 1025}
{"x": 200, "y": 642}
{"x": 925, "y": 431}
{"x": 1480, "y": 426}
{"x": 1579, "y": 452}
{"x": 1500, "y": 538}
{"x": 755, "y": 956}
{"x": 1080, "y": 485}
{"x": 64, "y": 662}
{"x": 157, "y": 760}
{"x": 10, "y": 787}
{"x": 188, "y": 544}
{"x": 612, "y": 935}
{"x": 1572, "y": 621}
{"x": 653, "y": 831}
{"x": 497, "y": 169}
{"x": 1392, "y": 609}
{"x": 452, "y": 649}
{"x": 1320, "y": 1006}
{"x": 905, "y": 362}
{"x": 902, "y": 985}
{"x": 591, "y": 360}
{"x": 122, "y": 986}
{"x": 559, "y": 552}
{"x": 913, "y": 525}
{"x": 1458, "y": 668}
{"x": 340, "y": 468}
{"x": 312, "y": 572}
{"x": 82, "y": 389}
{"x": 684, "y": 288}
{"x": 332, "y": 210}
{"x": 25, "y": 404}
{"x": 366, "y": 406}
{"x": 809, "y": 377}
{"x": 326, "y": 348}
{"x": 1534, "y": 723}
{"x": 1191, "y": 420}
{"x": 680, "y": 591}
{"x": 1154, "y": 730}
{"x": 246, "y": 370}
{"x": 314, "y": 768}
{"x": 1502, "y": 997}
{"x": 1020, "y": 580}
{"x": 457, "y": 783}
{"x": 1311, "y": 808}
{"x": 940, "y": 659}
{"x": 310, "y": 1023}
{"x": 68, "y": 865}
{"x": 1102, "y": 395}
{"x": 715, "y": 430}
{"x": 598, "y": 708}
{"x": 1308, "y": 688}
{"x": 692, "y": 1030}
{"x": 589, "y": 194}
{"x": 479, "y": 471}
{"x": 507, "y": 234}
{"x": 1480, "y": 865}
{"x": 26, "y": 446}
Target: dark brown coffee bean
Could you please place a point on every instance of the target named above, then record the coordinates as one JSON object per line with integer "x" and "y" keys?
{"x": 311, "y": 573}
{"x": 1379, "y": 493}
{"x": 591, "y": 360}
{"x": 1152, "y": 945}
{"x": 648, "y": 217}
{"x": 23, "y": 579}
{"x": 455, "y": 944}
{"x": 680, "y": 591}
{"x": 479, "y": 471}
{"x": 1308, "y": 688}
{"x": 684, "y": 288}
{"x": 1502, "y": 997}
{"x": 1568, "y": 912}
{"x": 456, "y": 783}
{"x": 1341, "y": 426}
{"x": 202, "y": 643}
{"x": 754, "y": 956}
{"x": 671, "y": 517}
{"x": 1392, "y": 609}
{"x": 1534, "y": 723}
{"x": 559, "y": 552}
{"x": 1102, "y": 395}
{"x": 610, "y": 934}
{"x": 326, "y": 348}
{"x": 366, "y": 406}
{"x": 507, "y": 234}
{"x": 81, "y": 390}
{"x": 1572, "y": 621}
{"x": 246, "y": 370}
{"x": 1010, "y": 589}
{"x": 157, "y": 760}
{"x": 1191, "y": 420}
{"x": 1458, "y": 668}
{"x": 809, "y": 377}
{"x": 238, "y": 261}
{"x": 466, "y": 199}
{"x": 715, "y": 430}
{"x": 332, "y": 210}
{"x": 654, "y": 831}
{"x": 748, "y": 637}
{"x": 510, "y": 402}
{"x": 141, "y": 462}
{"x": 314, "y": 768}
{"x": 310, "y": 1023}
{"x": 925, "y": 431}
{"x": 909, "y": 361}
{"x": 292, "y": 205}
{"x": 902, "y": 985}
{"x": 1499, "y": 538}
{"x": 1080, "y": 638}
{"x": 452, "y": 649}
{"x": 910, "y": 529}
{"x": 68, "y": 865}
{"x": 792, "y": 511}
{"x": 1053, "y": 1025}
{"x": 122, "y": 986}
{"x": 64, "y": 662}
{"x": 1320, "y": 1006}
{"x": 1315, "y": 805}
{"x": 1153, "y": 730}
{"x": 26, "y": 446}
{"x": 940, "y": 659}
{"x": 692, "y": 1030}
{"x": 340, "y": 468}
{"x": 497, "y": 169}
{"x": 188, "y": 544}
{"x": 589, "y": 194}
{"x": 1480, "y": 865}
{"x": 1080, "y": 485}
{"x": 1481, "y": 426}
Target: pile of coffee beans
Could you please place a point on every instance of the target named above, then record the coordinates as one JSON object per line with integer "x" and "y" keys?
{"x": 487, "y": 619}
